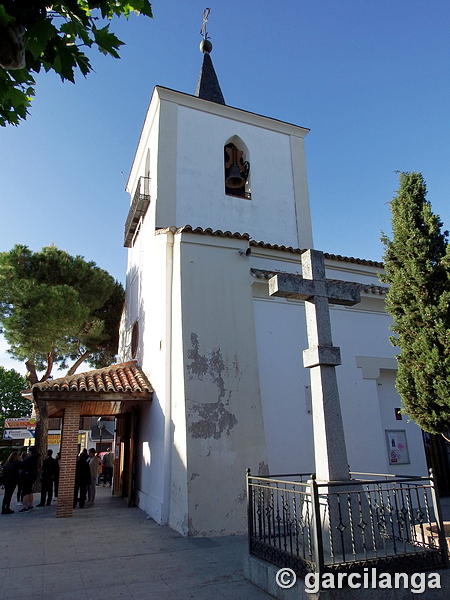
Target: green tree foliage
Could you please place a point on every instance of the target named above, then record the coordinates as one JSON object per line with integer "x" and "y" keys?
{"x": 12, "y": 403}
{"x": 417, "y": 268}
{"x": 36, "y": 34}
{"x": 56, "y": 309}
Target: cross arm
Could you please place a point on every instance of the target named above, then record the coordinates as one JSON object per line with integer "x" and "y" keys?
{"x": 291, "y": 286}
{"x": 294, "y": 286}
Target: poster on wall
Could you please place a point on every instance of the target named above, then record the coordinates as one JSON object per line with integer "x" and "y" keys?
{"x": 397, "y": 447}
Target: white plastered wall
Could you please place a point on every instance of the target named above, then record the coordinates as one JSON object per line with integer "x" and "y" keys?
{"x": 382, "y": 374}
{"x": 191, "y": 188}
{"x": 367, "y": 407}
{"x": 280, "y": 331}
{"x": 224, "y": 424}
{"x": 149, "y": 301}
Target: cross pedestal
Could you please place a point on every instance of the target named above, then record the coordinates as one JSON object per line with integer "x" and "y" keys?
{"x": 321, "y": 357}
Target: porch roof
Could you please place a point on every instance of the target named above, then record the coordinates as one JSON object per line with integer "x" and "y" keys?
{"x": 108, "y": 391}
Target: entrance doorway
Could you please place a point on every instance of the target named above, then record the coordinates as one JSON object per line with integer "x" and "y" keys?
{"x": 125, "y": 457}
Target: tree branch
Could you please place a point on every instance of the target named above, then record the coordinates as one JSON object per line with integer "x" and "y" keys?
{"x": 49, "y": 366}
{"x": 31, "y": 374}
{"x": 77, "y": 363}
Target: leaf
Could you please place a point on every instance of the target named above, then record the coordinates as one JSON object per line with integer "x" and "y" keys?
{"x": 74, "y": 29}
{"x": 52, "y": 43}
{"x": 5, "y": 18}
{"x": 38, "y": 36}
{"x": 144, "y": 7}
{"x": 106, "y": 41}
{"x": 64, "y": 58}
{"x": 15, "y": 96}
{"x": 21, "y": 76}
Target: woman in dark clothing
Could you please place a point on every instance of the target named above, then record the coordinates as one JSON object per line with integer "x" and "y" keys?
{"x": 20, "y": 482}
{"x": 82, "y": 480}
{"x": 29, "y": 471}
{"x": 10, "y": 479}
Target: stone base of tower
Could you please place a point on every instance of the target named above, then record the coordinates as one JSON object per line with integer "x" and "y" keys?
{"x": 265, "y": 576}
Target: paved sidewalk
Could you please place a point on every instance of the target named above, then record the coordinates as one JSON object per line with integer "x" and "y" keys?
{"x": 109, "y": 551}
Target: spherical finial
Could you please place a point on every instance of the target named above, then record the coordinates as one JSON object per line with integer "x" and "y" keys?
{"x": 205, "y": 46}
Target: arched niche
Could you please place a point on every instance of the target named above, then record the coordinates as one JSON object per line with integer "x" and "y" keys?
{"x": 236, "y": 168}
{"x": 134, "y": 339}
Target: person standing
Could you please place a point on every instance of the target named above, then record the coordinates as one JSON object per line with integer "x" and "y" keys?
{"x": 93, "y": 466}
{"x": 10, "y": 480}
{"x": 100, "y": 468}
{"x": 108, "y": 462}
{"x": 82, "y": 480}
{"x": 21, "y": 478}
{"x": 29, "y": 469}
{"x": 49, "y": 467}
{"x": 58, "y": 465}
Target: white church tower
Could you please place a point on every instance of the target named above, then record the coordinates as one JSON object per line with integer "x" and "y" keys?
{"x": 189, "y": 311}
{"x": 208, "y": 222}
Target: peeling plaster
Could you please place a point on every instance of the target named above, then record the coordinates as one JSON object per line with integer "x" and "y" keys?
{"x": 209, "y": 419}
{"x": 207, "y": 367}
{"x": 212, "y": 420}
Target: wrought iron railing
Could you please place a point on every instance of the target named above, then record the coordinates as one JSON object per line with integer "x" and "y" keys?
{"x": 138, "y": 208}
{"x": 382, "y": 521}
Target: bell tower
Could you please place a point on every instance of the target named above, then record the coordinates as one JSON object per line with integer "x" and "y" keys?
{"x": 209, "y": 165}
{"x": 206, "y": 179}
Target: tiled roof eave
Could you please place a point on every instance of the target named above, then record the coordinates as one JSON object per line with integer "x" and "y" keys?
{"x": 85, "y": 396}
{"x": 116, "y": 382}
{"x": 262, "y": 244}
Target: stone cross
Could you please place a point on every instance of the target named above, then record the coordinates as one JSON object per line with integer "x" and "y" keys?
{"x": 321, "y": 357}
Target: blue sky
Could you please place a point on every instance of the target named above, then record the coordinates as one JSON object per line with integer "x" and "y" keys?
{"x": 370, "y": 79}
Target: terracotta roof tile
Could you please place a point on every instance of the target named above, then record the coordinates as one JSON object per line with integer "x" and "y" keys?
{"x": 261, "y": 244}
{"x": 126, "y": 377}
{"x": 276, "y": 247}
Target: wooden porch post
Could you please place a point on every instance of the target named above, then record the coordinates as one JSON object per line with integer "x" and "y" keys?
{"x": 69, "y": 451}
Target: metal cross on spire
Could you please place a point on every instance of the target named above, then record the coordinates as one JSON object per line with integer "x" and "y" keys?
{"x": 203, "y": 31}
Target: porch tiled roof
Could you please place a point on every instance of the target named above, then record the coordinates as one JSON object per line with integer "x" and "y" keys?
{"x": 123, "y": 377}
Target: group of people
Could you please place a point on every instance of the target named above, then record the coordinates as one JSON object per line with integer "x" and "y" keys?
{"x": 88, "y": 469}
{"x": 22, "y": 471}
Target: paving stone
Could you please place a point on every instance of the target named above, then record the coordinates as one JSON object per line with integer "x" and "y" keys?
{"x": 111, "y": 551}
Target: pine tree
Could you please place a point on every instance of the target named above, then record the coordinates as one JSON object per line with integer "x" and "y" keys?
{"x": 57, "y": 309}
{"x": 417, "y": 269}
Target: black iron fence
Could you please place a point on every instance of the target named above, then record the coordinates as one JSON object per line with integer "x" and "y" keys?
{"x": 392, "y": 523}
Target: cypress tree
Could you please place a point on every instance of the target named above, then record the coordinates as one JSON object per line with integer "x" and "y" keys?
{"x": 417, "y": 269}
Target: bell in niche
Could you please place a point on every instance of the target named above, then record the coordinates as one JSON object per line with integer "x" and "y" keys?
{"x": 236, "y": 169}
{"x": 234, "y": 178}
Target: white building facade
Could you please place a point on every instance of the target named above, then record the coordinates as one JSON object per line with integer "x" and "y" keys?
{"x": 225, "y": 358}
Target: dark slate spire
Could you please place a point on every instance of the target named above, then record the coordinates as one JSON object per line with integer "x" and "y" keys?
{"x": 208, "y": 86}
